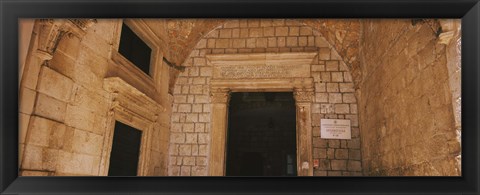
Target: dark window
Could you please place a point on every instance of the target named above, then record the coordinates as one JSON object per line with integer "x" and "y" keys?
{"x": 134, "y": 49}
{"x": 125, "y": 150}
{"x": 261, "y": 136}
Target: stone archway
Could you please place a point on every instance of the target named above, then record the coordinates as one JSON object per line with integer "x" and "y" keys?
{"x": 272, "y": 72}
{"x": 217, "y": 60}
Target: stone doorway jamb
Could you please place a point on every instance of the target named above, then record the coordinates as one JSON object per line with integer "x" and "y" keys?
{"x": 303, "y": 92}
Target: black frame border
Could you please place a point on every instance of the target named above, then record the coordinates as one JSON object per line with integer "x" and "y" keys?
{"x": 11, "y": 11}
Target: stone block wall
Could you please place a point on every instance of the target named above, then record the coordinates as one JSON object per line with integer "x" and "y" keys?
{"x": 334, "y": 93}
{"x": 335, "y": 99}
{"x": 64, "y": 108}
{"x": 61, "y": 117}
{"x": 408, "y": 125}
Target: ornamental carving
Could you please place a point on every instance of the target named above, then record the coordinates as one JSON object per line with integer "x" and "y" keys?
{"x": 51, "y": 31}
{"x": 83, "y": 23}
{"x": 48, "y": 37}
{"x": 303, "y": 95}
{"x": 220, "y": 96}
{"x": 261, "y": 65}
{"x": 130, "y": 100}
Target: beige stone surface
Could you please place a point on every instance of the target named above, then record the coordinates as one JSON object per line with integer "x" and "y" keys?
{"x": 87, "y": 143}
{"x": 406, "y": 93}
{"x": 26, "y": 100}
{"x": 50, "y": 107}
{"x": 39, "y": 158}
{"x": 46, "y": 133}
{"x": 73, "y": 163}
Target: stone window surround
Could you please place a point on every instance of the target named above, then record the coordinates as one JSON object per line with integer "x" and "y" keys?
{"x": 121, "y": 67}
{"x": 133, "y": 108}
{"x": 303, "y": 89}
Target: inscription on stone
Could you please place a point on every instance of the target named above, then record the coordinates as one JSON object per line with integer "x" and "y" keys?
{"x": 261, "y": 71}
{"x": 335, "y": 129}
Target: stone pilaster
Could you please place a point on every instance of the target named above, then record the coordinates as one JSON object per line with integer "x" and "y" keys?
{"x": 220, "y": 99}
{"x": 303, "y": 102}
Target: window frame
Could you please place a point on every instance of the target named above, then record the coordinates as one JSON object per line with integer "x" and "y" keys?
{"x": 130, "y": 107}
{"x": 119, "y": 66}
{"x": 150, "y": 63}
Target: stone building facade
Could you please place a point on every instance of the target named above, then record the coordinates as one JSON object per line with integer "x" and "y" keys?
{"x": 396, "y": 81}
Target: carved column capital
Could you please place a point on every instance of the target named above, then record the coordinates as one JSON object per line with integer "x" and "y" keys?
{"x": 220, "y": 95}
{"x": 48, "y": 36}
{"x": 51, "y": 31}
{"x": 303, "y": 94}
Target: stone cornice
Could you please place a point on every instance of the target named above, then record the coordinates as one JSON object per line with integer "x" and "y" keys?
{"x": 128, "y": 97}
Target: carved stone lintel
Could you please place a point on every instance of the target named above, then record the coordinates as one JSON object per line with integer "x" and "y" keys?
{"x": 303, "y": 94}
{"x": 261, "y": 65}
{"x": 220, "y": 95}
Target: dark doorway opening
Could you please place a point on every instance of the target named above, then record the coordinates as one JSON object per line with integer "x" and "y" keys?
{"x": 125, "y": 150}
{"x": 261, "y": 137}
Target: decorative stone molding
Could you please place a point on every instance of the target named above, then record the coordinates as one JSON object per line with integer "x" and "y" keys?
{"x": 48, "y": 37}
{"x": 303, "y": 94}
{"x": 83, "y": 23}
{"x": 272, "y": 85}
{"x": 220, "y": 95}
{"x": 128, "y": 97}
{"x": 119, "y": 66}
{"x": 261, "y": 65}
{"x": 292, "y": 58}
{"x": 132, "y": 107}
{"x": 272, "y": 72}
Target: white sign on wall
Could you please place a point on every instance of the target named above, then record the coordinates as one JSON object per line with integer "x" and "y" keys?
{"x": 335, "y": 129}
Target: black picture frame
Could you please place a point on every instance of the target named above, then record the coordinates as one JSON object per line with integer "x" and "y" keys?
{"x": 467, "y": 10}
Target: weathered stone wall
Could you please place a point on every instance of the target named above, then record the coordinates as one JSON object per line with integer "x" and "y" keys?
{"x": 408, "y": 125}
{"x": 334, "y": 97}
{"x": 63, "y": 106}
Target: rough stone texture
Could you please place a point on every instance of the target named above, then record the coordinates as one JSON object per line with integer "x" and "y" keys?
{"x": 406, "y": 111}
{"x": 273, "y": 36}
